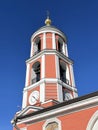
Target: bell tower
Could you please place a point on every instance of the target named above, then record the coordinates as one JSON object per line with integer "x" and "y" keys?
{"x": 49, "y": 72}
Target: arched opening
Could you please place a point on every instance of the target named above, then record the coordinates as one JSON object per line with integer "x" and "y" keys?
{"x": 60, "y": 45}
{"x": 35, "y": 72}
{"x": 37, "y": 45}
{"x": 93, "y": 123}
{"x": 52, "y": 126}
{"x": 63, "y": 72}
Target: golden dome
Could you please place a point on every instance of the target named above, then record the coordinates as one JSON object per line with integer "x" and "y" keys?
{"x": 48, "y": 21}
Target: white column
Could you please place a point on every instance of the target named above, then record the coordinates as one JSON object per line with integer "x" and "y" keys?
{"x": 72, "y": 75}
{"x": 67, "y": 73}
{"x": 42, "y": 92}
{"x": 66, "y": 50}
{"x": 44, "y": 41}
{"x": 31, "y": 53}
{"x": 43, "y": 66}
{"x": 63, "y": 48}
{"x": 27, "y": 75}
{"x": 24, "y": 102}
{"x": 57, "y": 67}
{"x": 53, "y": 41}
{"x": 59, "y": 93}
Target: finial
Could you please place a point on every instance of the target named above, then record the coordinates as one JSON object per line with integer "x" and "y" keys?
{"x": 48, "y": 20}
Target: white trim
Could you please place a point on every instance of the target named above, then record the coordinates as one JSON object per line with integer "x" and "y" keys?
{"x": 57, "y": 67}
{"x": 50, "y": 52}
{"x": 72, "y": 75}
{"x": 51, "y": 100}
{"x": 42, "y": 92}
{"x": 52, "y": 120}
{"x": 59, "y": 93}
{"x": 51, "y": 80}
{"x": 43, "y": 66}
{"x": 44, "y": 41}
{"x": 28, "y": 109}
{"x": 49, "y": 29}
{"x": 24, "y": 128}
{"x": 71, "y": 108}
{"x": 31, "y": 53}
{"x": 27, "y": 74}
{"x": 92, "y": 121}
{"x": 24, "y": 102}
{"x": 66, "y": 50}
{"x": 53, "y": 41}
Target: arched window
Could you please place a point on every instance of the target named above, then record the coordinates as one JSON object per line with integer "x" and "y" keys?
{"x": 37, "y": 45}
{"x": 64, "y": 72}
{"x": 35, "y": 72}
{"x": 60, "y": 45}
{"x": 93, "y": 123}
{"x": 52, "y": 124}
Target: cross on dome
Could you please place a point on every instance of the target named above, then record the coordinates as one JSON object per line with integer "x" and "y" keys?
{"x": 48, "y": 20}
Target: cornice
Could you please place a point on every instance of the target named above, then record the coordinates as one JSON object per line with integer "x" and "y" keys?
{"x": 71, "y": 106}
{"x": 50, "y": 80}
{"x": 45, "y": 51}
{"x": 46, "y": 29}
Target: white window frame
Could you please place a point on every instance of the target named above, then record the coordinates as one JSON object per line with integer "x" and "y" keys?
{"x": 52, "y": 120}
{"x": 92, "y": 121}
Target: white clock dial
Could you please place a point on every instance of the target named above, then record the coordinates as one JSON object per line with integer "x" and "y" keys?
{"x": 34, "y": 96}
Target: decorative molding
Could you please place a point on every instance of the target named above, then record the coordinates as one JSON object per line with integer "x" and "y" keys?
{"x": 24, "y": 102}
{"x": 52, "y": 120}
{"x": 49, "y": 29}
{"x": 59, "y": 93}
{"x": 28, "y": 109}
{"x": 50, "y": 80}
{"x": 44, "y": 41}
{"x": 67, "y": 109}
{"x": 27, "y": 74}
{"x": 92, "y": 121}
{"x": 46, "y": 51}
{"x": 43, "y": 66}
{"x": 42, "y": 92}
{"x": 57, "y": 67}
{"x": 53, "y": 41}
{"x": 23, "y": 128}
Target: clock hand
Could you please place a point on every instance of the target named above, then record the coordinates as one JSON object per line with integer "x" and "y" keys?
{"x": 34, "y": 98}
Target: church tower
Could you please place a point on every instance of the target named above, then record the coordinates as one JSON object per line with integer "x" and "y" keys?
{"x": 49, "y": 72}
{"x": 49, "y": 75}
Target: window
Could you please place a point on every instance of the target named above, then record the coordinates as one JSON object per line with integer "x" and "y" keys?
{"x": 37, "y": 45}
{"x": 60, "y": 45}
{"x": 35, "y": 72}
{"x": 64, "y": 72}
{"x": 93, "y": 123}
{"x": 52, "y": 126}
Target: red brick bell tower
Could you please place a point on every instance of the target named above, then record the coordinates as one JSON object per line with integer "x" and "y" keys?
{"x": 49, "y": 75}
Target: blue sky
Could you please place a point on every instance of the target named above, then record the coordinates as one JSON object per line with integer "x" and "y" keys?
{"x": 19, "y": 19}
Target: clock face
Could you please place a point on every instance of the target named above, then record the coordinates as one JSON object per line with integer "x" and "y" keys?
{"x": 34, "y": 96}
